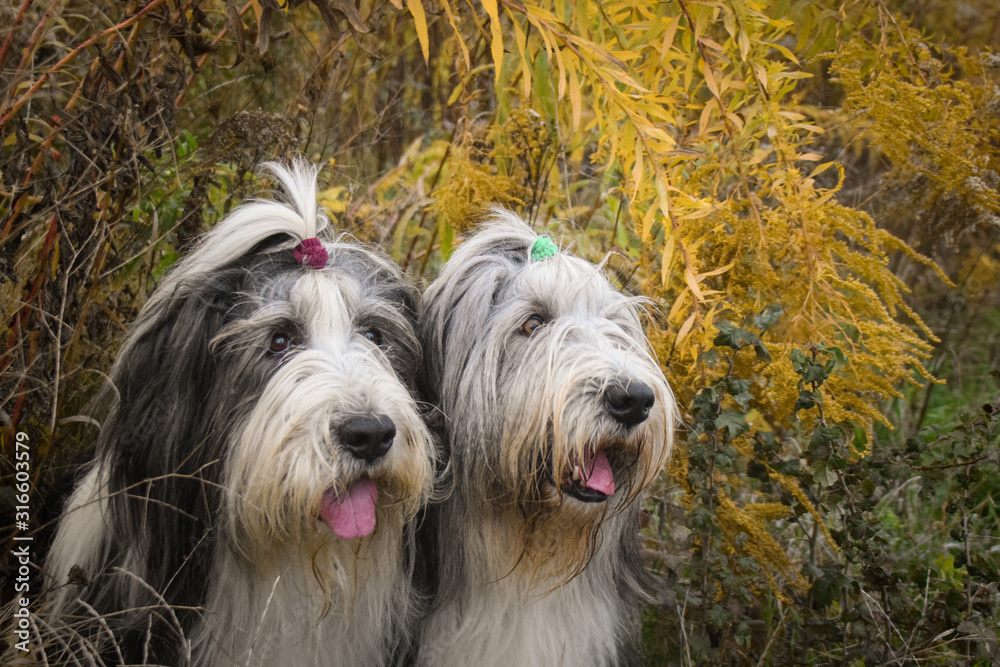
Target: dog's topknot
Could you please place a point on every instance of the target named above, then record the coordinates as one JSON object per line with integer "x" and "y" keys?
{"x": 291, "y": 218}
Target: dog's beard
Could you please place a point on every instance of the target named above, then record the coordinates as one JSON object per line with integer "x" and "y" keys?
{"x": 558, "y": 467}
{"x": 556, "y": 434}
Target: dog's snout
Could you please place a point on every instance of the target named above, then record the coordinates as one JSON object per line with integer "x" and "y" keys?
{"x": 367, "y": 438}
{"x": 629, "y": 401}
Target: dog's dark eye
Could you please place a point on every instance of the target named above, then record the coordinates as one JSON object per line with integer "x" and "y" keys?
{"x": 280, "y": 342}
{"x": 374, "y": 335}
{"x": 531, "y": 325}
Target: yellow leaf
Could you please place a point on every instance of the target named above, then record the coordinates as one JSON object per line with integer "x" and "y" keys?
{"x": 811, "y": 128}
{"x": 718, "y": 271}
{"x": 647, "y": 224}
{"x": 561, "y": 87}
{"x": 454, "y": 27}
{"x": 820, "y": 169}
{"x": 697, "y": 213}
{"x": 754, "y": 418}
{"x": 786, "y": 52}
{"x": 713, "y": 86}
{"x": 496, "y": 37}
{"x": 420, "y": 21}
{"x": 668, "y": 35}
{"x": 576, "y": 99}
{"x": 810, "y": 157}
{"x": 332, "y": 199}
{"x": 692, "y": 283}
{"x": 761, "y": 73}
{"x": 258, "y": 12}
{"x": 791, "y": 115}
{"x": 677, "y": 307}
{"x": 637, "y": 169}
{"x": 626, "y": 79}
{"x": 759, "y": 155}
{"x": 706, "y": 115}
{"x": 793, "y": 75}
{"x": 712, "y": 44}
{"x": 538, "y": 13}
{"x": 685, "y": 328}
{"x": 522, "y": 43}
{"x": 612, "y": 139}
{"x": 668, "y": 258}
{"x": 664, "y": 200}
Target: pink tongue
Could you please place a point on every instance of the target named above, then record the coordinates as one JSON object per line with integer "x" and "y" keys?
{"x": 599, "y": 476}
{"x": 352, "y": 513}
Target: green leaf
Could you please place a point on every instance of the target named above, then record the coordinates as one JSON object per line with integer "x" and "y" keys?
{"x": 805, "y": 401}
{"x": 733, "y": 422}
{"x": 543, "y": 89}
{"x": 824, "y": 475}
{"x": 850, "y": 332}
{"x": 718, "y": 616}
{"x": 737, "y": 338}
{"x": 767, "y": 318}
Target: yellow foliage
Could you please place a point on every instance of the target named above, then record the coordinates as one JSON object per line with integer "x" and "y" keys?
{"x": 333, "y": 199}
{"x": 792, "y": 486}
{"x": 937, "y": 128}
{"x": 692, "y": 117}
{"x": 744, "y": 530}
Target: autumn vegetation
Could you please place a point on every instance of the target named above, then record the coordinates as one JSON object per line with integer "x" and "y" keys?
{"x": 805, "y": 191}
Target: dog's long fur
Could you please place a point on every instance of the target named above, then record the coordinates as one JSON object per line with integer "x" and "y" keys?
{"x": 524, "y": 573}
{"x": 195, "y": 534}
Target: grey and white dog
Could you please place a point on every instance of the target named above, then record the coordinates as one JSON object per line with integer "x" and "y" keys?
{"x": 556, "y": 418}
{"x": 251, "y": 496}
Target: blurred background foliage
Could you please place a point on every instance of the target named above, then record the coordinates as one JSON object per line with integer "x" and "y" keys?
{"x": 805, "y": 190}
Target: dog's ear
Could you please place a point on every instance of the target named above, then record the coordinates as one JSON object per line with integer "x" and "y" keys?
{"x": 158, "y": 443}
{"x": 162, "y": 462}
{"x": 459, "y": 303}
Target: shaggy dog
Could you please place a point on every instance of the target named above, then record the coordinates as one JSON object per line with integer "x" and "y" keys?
{"x": 555, "y": 419}
{"x": 250, "y": 498}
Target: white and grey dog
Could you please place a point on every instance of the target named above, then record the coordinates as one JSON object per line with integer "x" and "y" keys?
{"x": 252, "y": 491}
{"x": 556, "y": 419}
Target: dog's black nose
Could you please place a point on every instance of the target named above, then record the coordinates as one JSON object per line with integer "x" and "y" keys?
{"x": 368, "y": 437}
{"x": 629, "y": 401}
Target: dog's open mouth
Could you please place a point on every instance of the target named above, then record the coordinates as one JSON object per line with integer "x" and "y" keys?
{"x": 592, "y": 480}
{"x": 351, "y": 512}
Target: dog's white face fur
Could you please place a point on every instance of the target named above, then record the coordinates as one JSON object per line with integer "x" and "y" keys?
{"x": 255, "y": 480}
{"x": 556, "y": 419}
{"x": 330, "y": 372}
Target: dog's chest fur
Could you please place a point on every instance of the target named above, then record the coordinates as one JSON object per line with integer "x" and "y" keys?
{"x": 284, "y": 623}
{"x": 500, "y": 617}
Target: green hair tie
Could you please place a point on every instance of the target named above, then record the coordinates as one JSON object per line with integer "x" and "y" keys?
{"x": 543, "y": 248}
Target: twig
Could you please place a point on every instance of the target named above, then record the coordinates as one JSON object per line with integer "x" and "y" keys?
{"x": 29, "y": 50}
{"x": 21, "y": 101}
{"x": 78, "y": 93}
{"x": 770, "y": 640}
{"x": 13, "y": 30}
{"x": 951, "y": 465}
{"x": 104, "y": 625}
{"x": 204, "y": 58}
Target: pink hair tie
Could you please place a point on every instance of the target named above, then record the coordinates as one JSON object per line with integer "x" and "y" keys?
{"x": 311, "y": 253}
